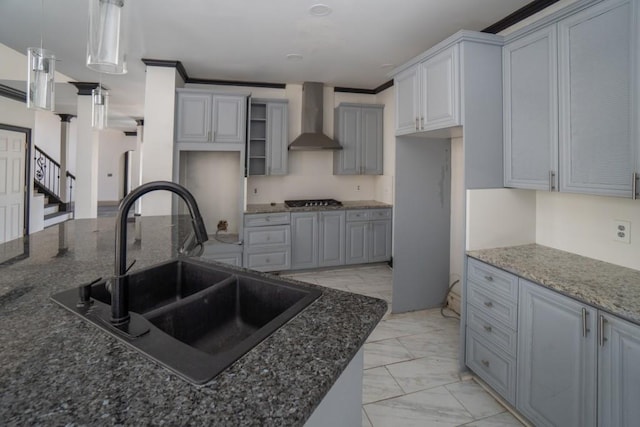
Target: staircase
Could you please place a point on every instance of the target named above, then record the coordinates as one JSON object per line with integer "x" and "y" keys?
{"x": 47, "y": 182}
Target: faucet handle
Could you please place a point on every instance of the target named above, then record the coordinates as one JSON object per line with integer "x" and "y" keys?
{"x": 84, "y": 292}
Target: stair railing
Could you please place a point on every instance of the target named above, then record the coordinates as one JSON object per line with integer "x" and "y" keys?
{"x": 47, "y": 177}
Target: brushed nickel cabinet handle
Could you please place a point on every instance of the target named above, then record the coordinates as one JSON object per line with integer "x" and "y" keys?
{"x": 488, "y": 304}
{"x": 634, "y": 186}
{"x": 485, "y": 362}
{"x": 601, "y": 327}
{"x": 422, "y": 123}
{"x": 488, "y": 278}
{"x": 552, "y": 181}
{"x": 487, "y": 328}
{"x": 585, "y": 313}
{"x": 417, "y": 126}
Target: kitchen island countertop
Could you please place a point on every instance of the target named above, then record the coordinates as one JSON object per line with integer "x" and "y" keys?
{"x": 346, "y": 205}
{"x": 57, "y": 369}
{"x": 603, "y": 285}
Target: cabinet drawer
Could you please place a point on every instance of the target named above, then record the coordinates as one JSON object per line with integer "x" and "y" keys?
{"x": 493, "y": 332}
{"x": 494, "y": 366}
{"x": 273, "y": 260}
{"x": 361, "y": 215}
{"x": 493, "y": 305}
{"x": 260, "y": 220}
{"x": 257, "y": 237}
{"x": 368, "y": 214}
{"x": 498, "y": 281}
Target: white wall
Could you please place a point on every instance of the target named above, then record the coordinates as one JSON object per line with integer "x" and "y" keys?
{"x": 111, "y": 146}
{"x": 584, "y": 225}
{"x": 47, "y": 135}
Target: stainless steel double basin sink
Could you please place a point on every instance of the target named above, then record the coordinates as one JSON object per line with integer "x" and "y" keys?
{"x": 201, "y": 317}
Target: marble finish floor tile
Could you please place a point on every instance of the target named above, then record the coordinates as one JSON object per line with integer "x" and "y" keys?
{"x": 504, "y": 419}
{"x": 384, "y": 353}
{"x": 474, "y": 399}
{"x": 378, "y": 384}
{"x": 434, "y": 408}
{"x": 411, "y": 371}
{"x": 424, "y": 373}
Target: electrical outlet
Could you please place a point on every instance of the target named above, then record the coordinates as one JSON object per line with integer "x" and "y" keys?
{"x": 622, "y": 231}
{"x": 223, "y": 225}
{"x": 357, "y": 188}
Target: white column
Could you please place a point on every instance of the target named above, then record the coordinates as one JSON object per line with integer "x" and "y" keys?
{"x": 86, "y": 190}
{"x": 157, "y": 162}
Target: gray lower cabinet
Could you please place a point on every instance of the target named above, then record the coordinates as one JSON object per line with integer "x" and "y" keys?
{"x": 368, "y": 236}
{"x": 317, "y": 239}
{"x": 267, "y": 242}
{"x": 358, "y": 129}
{"x": 204, "y": 116}
{"x": 557, "y": 358}
{"x": 618, "y": 372}
{"x": 304, "y": 240}
{"x": 492, "y": 305}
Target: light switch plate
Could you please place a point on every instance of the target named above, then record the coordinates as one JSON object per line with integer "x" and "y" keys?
{"x": 622, "y": 231}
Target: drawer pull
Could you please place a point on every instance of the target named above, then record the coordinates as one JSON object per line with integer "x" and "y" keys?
{"x": 485, "y": 362}
{"x": 488, "y": 278}
{"x": 487, "y": 328}
{"x": 488, "y": 304}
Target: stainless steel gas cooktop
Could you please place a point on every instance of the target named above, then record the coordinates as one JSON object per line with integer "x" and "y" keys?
{"x": 311, "y": 202}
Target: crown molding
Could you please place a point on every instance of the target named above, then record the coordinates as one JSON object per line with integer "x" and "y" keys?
{"x": 85, "y": 88}
{"x": 519, "y": 15}
{"x": 11, "y": 93}
{"x": 66, "y": 117}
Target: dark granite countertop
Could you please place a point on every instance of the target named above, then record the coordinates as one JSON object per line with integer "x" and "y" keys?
{"x": 58, "y": 369}
{"x": 603, "y": 285}
{"x": 346, "y": 205}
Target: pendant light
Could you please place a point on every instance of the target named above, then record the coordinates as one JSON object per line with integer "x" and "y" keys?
{"x": 106, "y": 41}
{"x": 99, "y": 107}
{"x": 41, "y": 68}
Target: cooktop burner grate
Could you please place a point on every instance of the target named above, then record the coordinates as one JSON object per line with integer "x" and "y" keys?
{"x": 311, "y": 203}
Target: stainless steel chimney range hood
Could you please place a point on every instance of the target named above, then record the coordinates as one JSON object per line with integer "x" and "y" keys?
{"x": 312, "y": 137}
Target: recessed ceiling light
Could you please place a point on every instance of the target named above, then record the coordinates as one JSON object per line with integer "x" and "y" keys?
{"x": 294, "y": 57}
{"x": 319, "y": 10}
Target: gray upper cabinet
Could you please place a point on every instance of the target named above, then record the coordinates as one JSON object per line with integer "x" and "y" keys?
{"x": 531, "y": 111}
{"x": 428, "y": 94}
{"x": 557, "y": 359}
{"x": 358, "y": 129}
{"x": 203, "y": 116}
{"x": 618, "y": 373}
{"x": 268, "y": 130}
{"x": 598, "y": 73}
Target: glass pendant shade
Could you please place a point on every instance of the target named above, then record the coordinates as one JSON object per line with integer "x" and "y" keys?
{"x": 99, "y": 108}
{"x": 106, "y": 50}
{"x": 40, "y": 79}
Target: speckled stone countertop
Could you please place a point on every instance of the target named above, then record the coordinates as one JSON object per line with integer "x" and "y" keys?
{"x": 606, "y": 286}
{"x": 58, "y": 369}
{"x": 346, "y": 205}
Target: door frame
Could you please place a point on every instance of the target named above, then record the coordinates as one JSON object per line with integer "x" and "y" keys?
{"x": 27, "y": 170}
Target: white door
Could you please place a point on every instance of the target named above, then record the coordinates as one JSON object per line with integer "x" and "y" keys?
{"x": 12, "y": 161}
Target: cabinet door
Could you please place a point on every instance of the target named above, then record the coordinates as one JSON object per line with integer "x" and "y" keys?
{"x": 193, "y": 117}
{"x": 348, "y": 124}
{"x": 380, "y": 243}
{"x": 229, "y": 113}
{"x": 371, "y": 141}
{"x": 440, "y": 91}
{"x": 531, "y": 111}
{"x": 407, "y": 89}
{"x": 277, "y": 131}
{"x": 332, "y": 238}
{"x": 304, "y": 240}
{"x": 619, "y": 373}
{"x": 597, "y": 85}
{"x": 556, "y": 383}
{"x": 357, "y": 242}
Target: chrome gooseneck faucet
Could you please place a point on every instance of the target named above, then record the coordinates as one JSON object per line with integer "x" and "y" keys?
{"x": 119, "y": 301}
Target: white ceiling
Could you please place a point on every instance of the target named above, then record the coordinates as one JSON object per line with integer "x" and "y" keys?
{"x": 355, "y": 46}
